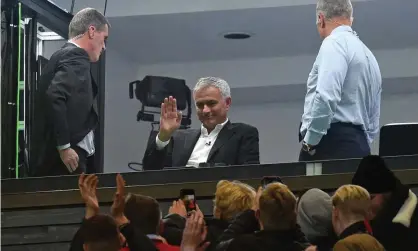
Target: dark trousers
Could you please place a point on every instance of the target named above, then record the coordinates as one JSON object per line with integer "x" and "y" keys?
{"x": 342, "y": 141}
{"x": 53, "y": 165}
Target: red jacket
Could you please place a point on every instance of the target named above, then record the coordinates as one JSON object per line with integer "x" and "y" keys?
{"x": 165, "y": 246}
{"x": 161, "y": 246}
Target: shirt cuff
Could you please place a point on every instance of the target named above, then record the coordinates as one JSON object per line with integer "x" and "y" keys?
{"x": 64, "y": 146}
{"x": 312, "y": 138}
{"x": 160, "y": 144}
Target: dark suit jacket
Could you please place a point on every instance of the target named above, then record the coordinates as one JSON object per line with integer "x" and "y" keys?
{"x": 65, "y": 107}
{"x": 236, "y": 144}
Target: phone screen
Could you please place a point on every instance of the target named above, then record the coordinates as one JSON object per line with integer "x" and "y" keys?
{"x": 270, "y": 179}
{"x": 188, "y": 198}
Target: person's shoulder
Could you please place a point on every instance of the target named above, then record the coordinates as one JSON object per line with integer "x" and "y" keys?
{"x": 244, "y": 126}
{"x": 71, "y": 52}
{"x": 244, "y": 242}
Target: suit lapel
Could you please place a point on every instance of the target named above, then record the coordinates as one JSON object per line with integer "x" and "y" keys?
{"x": 189, "y": 143}
{"x": 224, "y": 135}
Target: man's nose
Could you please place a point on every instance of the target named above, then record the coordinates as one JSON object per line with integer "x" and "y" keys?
{"x": 206, "y": 109}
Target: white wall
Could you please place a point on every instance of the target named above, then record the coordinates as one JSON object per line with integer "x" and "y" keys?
{"x": 125, "y": 138}
{"x": 278, "y": 124}
{"x": 275, "y": 70}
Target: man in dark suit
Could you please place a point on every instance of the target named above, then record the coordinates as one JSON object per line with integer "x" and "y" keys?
{"x": 217, "y": 142}
{"x": 67, "y": 105}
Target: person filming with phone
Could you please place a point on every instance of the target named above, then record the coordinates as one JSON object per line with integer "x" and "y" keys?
{"x": 218, "y": 142}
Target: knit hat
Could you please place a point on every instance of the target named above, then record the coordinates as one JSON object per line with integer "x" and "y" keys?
{"x": 314, "y": 214}
{"x": 374, "y": 176}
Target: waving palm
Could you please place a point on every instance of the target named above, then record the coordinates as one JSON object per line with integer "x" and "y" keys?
{"x": 170, "y": 118}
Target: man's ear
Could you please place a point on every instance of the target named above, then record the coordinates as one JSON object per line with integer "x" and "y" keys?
{"x": 85, "y": 247}
{"x": 321, "y": 20}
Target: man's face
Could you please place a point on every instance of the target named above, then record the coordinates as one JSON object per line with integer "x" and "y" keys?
{"x": 211, "y": 107}
{"x": 98, "y": 39}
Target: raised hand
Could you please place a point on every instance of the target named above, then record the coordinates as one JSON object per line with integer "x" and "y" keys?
{"x": 87, "y": 185}
{"x": 178, "y": 208}
{"x": 119, "y": 198}
{"x": 170, "y": 118}
{"x": 194, "y": 234}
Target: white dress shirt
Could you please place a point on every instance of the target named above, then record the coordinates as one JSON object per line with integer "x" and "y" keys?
{"x": 203, "y": 145}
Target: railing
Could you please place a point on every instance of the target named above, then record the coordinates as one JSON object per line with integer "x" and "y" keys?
{"x": 44, "y": 213}
{"x": 203, "y": 174}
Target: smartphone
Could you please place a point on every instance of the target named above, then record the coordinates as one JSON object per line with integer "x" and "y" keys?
{"x": 189, "y": 199}
{"x": 270, "y": 179}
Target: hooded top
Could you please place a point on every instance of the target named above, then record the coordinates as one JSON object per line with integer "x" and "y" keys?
{"x": 314, "y": 214}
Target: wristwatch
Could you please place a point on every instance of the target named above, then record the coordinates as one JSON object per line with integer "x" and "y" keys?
{"x": 306, "y": 147}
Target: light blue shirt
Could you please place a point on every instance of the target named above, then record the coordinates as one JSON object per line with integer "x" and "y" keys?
{"x": 344, "y": 85}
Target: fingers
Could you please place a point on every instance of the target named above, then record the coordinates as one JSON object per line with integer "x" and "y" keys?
{"x": 205, "y": 232}
{"x": 73, "y": 161}
{"x": 173, "y": 102}
{"x": 77, "y": 159}
{"x": 91, "y": 180}
{"x": 204, "y": 246}
{"x": 164, "y": 108}
{"x": 81, "y": 180}
{"x": 94, "y": 184}
{"x": 120, "y": 184}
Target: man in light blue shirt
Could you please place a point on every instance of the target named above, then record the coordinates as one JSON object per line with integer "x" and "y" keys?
{"x": 342, "y": 103}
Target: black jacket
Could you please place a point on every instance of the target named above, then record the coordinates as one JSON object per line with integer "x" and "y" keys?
{"x": 324, "y": 243}
{"x": 236, "y": 144}
{"x": 135, "y": 239}
{"x": 243, "y": 235}
{"x": 174, "y": 225}
{"x": 396, "y": 225}
{"x": 356, "y": 228}
{"x": 66, "y": 105}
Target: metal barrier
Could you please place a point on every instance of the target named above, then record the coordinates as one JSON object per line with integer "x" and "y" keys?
{"x": 204, "y": 174}
{"x": 47, "y": 220}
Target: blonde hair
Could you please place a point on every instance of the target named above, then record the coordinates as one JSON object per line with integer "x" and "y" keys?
{"x": 232, "y": 198}
{"x": 358, "y": 242}
{"x": 277, "y": 207}
{"x": 352, "y": 200}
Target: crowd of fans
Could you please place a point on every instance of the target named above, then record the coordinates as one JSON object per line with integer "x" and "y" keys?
{"x": 375, "y": 212}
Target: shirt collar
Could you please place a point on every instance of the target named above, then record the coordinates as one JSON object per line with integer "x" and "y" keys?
{"x": 74, "y": 43}
{"x": 217, "y": 128}
{"x": 342, "y": 28}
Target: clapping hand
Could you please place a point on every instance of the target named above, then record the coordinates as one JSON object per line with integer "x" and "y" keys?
{"x": 170, "y": 119}
{"x": 87, "y": 185}
{"x": 118, "y": 206}
{"x": 194, "y": 234}
{"x": 178, "y": 208}
{"x": 257, "y": 199}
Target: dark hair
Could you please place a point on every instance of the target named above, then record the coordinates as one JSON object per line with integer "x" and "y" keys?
{"x": 101, "y": 233}
{"x": 143, "y": 212}
{"x": 84, "y": 19}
